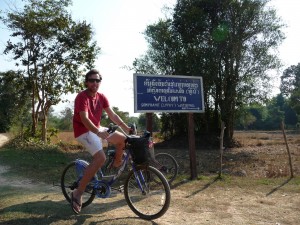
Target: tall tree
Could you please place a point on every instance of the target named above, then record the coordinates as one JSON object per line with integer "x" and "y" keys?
{"x": 13, "y": 99}
{"x": 53, "y": 49}
{"x": 231, "y": 44}
{"x": 290, "y": 86}
{"x": 235, "y": 39}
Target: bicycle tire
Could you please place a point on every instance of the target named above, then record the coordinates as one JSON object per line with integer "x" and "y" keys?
{"x": 69, "y": 181}
{"x": 167, "y": 165}
{"x": 155, "y": 200}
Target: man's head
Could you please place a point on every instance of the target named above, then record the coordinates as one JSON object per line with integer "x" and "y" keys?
{"x": 92, "y": 80}
{"x": 92, "y": 72}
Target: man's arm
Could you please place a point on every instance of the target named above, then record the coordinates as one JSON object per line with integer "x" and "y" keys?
{"x": 89, "y": 125}
{"x": 116, "y": 119}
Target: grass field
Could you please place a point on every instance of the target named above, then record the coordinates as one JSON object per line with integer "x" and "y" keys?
{"x": 260, "y": 138}
{"x": 261, "y": 154}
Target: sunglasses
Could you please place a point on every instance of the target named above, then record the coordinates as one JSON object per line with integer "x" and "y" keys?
{"x": 95, "y": 80}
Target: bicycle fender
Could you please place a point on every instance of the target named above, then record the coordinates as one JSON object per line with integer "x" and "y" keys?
{"x": 84, "y": 164}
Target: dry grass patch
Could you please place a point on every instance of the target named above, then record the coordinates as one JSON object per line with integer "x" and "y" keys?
{"x": 64, "y": 136}
{"x": 67, "y": 138}
{"x": 260, "y": 138}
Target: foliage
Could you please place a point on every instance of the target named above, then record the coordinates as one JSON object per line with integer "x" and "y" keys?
{"x": 66, "y": 122}
{"x": 268, "y": 116}
{"x": 142, "y": 122}
{"x": 231, "y": 44}
{"x": 245, "y": 118}
{"x": 52, "y": 49}
{"x": 34, "y": 159}
{"x": 105, "y": 121}
{"x": 290, "y": 86}
{"x": 14, "y": 107}
{"x": 173, "y": 124}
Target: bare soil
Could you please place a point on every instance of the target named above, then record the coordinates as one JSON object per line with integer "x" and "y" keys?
{"x": 247, "y": 196}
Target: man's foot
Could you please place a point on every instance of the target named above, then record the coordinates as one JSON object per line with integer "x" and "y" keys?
{"x": 75, "y": 204}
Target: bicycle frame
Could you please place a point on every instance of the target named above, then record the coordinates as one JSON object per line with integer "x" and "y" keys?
{"x": 110, "y": 180}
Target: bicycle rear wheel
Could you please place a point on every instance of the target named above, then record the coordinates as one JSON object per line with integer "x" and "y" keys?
{"x": 167, "y": 165}
{"x": 69, "y": 182}
{"x": 147, "y": 192}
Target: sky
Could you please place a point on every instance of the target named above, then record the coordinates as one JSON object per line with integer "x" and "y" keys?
{"x": 118, "y": 29}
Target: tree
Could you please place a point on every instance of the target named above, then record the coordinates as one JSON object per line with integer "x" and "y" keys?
{"x": 245, "y": 119}
{"x": 290, "y": 86}
{"x": 53, "y": 49}
{"x": 14, "y": 98}
{"x": 105, "y": 121}
{"x": 231, "y": 44}
{"x": 235, "y": 38}
{"x": 66, "y": 122}
{"x": 142, "y": 122}
{"x": 269, "y": 115}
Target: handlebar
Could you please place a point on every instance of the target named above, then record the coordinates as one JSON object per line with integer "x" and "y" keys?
{"x": 133, "y": 129}
{"x": 112, "y": 128}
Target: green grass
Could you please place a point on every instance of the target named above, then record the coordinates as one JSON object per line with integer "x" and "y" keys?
{"x": 39, "y": 164}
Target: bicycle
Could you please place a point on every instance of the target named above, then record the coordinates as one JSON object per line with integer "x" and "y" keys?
{"x": 146, "y": 190}
{"x": 164, "y": 162}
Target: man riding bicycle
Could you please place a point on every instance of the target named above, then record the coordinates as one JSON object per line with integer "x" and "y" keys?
{"x": 88, "y": 108}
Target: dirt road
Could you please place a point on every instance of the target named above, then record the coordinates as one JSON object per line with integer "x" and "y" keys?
{"x": 3, "y": 138}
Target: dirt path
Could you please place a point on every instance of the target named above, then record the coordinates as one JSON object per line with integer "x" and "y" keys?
{"x": 192, "y": 203}
{"x": 3, "y": 138}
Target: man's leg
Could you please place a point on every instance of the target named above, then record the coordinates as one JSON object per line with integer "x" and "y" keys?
{"x": 97, "y": 161}
{"x": 118, "y": 140}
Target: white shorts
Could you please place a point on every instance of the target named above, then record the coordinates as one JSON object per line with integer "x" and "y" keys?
{"x": 91, "y": 141}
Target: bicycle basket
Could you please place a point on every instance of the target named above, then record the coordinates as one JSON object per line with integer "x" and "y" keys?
{"x": 139, "y": 149}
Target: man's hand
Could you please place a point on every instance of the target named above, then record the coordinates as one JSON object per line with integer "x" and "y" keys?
{"x": 133, "y": 129}
{"x": 103, "y": 134}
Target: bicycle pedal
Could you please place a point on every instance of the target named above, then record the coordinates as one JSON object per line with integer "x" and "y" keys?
{"x": 121, "y": 189}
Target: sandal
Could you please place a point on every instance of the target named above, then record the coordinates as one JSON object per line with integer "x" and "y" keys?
{"x": 74, "y": 200}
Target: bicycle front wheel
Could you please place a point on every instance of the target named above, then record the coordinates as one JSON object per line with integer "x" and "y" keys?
{"x": 167, "y": 165}
{"x": 69, "y": 182}
{"x": 147, "y": 192}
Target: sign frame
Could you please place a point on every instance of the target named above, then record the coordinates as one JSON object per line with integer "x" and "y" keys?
{"x": 181, "y": 88}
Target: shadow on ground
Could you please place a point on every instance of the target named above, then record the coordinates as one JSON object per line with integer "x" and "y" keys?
{"x": 46, "y": 212}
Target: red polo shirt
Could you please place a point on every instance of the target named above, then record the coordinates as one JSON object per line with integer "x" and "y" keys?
{"x": 92, "y": 105}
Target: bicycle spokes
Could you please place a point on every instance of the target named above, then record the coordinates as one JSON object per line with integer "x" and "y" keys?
{"x": 147, "y": 193}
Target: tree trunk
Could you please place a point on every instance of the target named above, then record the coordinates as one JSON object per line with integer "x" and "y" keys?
{"x": 33, "y": 114}
{"x": 44, "y": 130}
{"x": 149, "y": 122}
{"x": 221, "y": 147}
{"x": 44, "y": 127}
{"x": 206, "y": 112}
